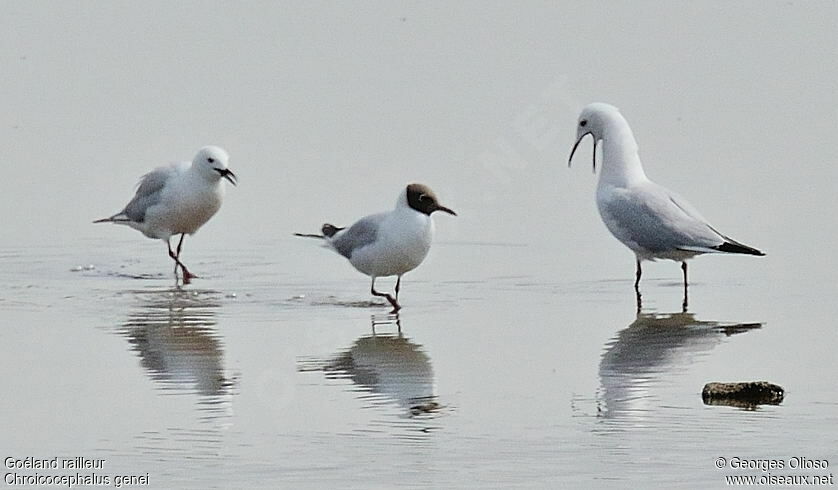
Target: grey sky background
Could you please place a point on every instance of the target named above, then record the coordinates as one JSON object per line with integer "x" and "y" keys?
{"x": 329, "y": 108}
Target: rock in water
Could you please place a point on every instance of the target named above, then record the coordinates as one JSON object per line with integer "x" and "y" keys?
{"x": 746, "y": 395}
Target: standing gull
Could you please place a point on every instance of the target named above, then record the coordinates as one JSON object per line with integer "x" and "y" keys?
{"x": 178, "y": 199}
{"x": 654, "y": 222}
{"x": 388, "y": 244}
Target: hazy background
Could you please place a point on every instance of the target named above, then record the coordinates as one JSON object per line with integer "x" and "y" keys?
{"x": 328, "y": 109}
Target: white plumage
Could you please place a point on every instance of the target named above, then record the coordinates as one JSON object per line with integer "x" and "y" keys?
{"x": 178, "y": 199}
{"x": 652, "y": 221}
{"x": 391, "y": 243}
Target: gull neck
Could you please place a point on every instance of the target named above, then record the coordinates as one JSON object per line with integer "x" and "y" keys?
{"x": 621, "y": 164}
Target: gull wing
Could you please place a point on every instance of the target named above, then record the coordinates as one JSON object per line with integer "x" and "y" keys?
{"x": 357, "y": 236}
{"x": 149, "y": 191}
{"x": 657, "y": 220}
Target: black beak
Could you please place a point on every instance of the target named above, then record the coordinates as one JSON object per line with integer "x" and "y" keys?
{"x": 577, "y": 146}
{"x": 227, "y": 174}
{"x": 444, "y": 210}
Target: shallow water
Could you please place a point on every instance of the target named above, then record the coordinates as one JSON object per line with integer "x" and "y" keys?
{"x": 496, "y": 382}
{"x": 519, "y": 359}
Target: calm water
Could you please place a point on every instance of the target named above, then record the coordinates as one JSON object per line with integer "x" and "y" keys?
{"x": 496, "y": 381}
{"x": 519, "y": 359}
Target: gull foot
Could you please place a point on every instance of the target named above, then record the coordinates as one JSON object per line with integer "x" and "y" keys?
{"x": 188, "y": 276}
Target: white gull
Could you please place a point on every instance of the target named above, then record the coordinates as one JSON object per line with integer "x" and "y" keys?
{"x": 652, "y": 221}
{"x": 177, "y": 200}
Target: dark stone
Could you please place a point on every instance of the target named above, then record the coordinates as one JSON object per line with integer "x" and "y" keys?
{"x": 745, "y": 395}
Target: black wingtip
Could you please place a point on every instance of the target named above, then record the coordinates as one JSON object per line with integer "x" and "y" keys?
{"x": 329, "y": 230}
{"x": 738, "y": 248}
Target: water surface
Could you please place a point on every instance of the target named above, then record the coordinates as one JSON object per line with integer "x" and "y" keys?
{"x": 519, "y": 359}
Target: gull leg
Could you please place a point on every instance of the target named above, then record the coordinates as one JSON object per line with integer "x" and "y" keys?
{"x": 390, "y": 299}
{"x": 637, "y": 275}
{"x": 187, "y": 276}
{"x": 684, "y": 304}
{"x": 398, "y": 286}
{"x": 173, "y": 256}
{"x": 176, "y": 257}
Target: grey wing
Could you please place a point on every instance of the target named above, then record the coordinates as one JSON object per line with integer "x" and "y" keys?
{"x": 148, "y": 193}
{"x": 357, "y": 236}
{"x": 659, "y": 221}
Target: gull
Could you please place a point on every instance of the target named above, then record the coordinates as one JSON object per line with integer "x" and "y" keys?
{"x": 652, "y": 221}
{"x": 391, "y": 243}
{"x": 177, "y": 200}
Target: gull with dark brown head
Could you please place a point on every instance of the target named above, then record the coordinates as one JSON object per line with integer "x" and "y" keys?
{"x": 391, "y": 243}
{"x": 652, "y": 221}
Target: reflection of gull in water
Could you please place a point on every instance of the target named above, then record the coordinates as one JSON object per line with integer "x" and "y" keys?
{"x": 174, "y": 334}
{"x": 386, "y": 368}
{"x": 653, "y": 346}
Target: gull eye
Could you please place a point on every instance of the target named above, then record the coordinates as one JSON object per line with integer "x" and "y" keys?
{"x": 583, "y": 122}
{"x": 422, "y": 197}
{"x": 211, "y": 160}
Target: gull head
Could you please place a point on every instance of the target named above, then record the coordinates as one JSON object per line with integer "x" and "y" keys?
{"x": 211, "y": 161}
{"x": 595, "y": 119}
{"x": 422, "y": 199}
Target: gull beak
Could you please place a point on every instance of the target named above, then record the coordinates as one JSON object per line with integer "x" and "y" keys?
{"x": 227, "y": 174}
{"x": 575, "y": 146}
{"x": 444, "y": 210}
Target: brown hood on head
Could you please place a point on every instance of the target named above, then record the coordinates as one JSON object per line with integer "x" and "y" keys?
{"x": 421, "y": 198}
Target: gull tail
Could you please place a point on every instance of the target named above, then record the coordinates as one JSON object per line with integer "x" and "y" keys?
{"x": 117, "y": 218}
{"x": 729, "y": 245}
{"x": 328, "y": 231}
{"x": 734, "y": 247}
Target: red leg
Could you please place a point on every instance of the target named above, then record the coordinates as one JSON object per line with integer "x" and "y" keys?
{"x": 390, "y": 299}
